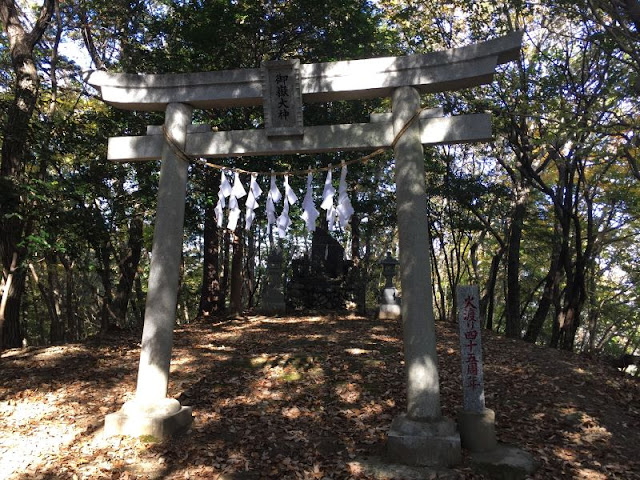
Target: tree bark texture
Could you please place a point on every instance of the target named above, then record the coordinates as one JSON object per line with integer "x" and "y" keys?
{"x": 13, "y": 227}
{"x": 210, "y": 290}
{"x": 128, "y": 267}
{"x": 512, "y": 307}
{"x": 237, "y": 272}
{"x": 551, "y": 285}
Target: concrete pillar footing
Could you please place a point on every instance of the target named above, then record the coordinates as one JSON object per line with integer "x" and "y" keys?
{"x": 389, "y": 312}
{"x": 433, "y": 443}
{"x": 504, "y": 462}
{"x": 477, "y": 430}
{"x": 160, "y": 420}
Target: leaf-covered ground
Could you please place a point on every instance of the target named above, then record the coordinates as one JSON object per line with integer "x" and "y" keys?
{"x": 302, "y": 398}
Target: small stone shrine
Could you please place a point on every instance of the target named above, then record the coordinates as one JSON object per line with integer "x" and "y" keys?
{"x": 327, "y": 253}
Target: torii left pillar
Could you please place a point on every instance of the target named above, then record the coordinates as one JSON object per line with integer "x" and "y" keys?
{"x": 151, "y": 412}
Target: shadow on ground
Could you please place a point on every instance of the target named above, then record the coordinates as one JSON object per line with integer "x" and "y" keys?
{"x": 304, "y": 397}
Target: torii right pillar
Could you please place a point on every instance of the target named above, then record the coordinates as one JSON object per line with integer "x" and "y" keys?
{"x": 421, "y": 436}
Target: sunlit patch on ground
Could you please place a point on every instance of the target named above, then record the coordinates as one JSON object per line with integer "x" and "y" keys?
{"x": 27, "y": 441}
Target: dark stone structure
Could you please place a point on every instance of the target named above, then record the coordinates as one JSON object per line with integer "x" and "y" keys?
{"x": 322, "y": 281}
{"x": 273, "y": 295}
{"x": 327, "y": 253}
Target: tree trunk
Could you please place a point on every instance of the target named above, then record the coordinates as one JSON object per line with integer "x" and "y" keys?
{"x": 572, "y": 310}
{"x": 70, "y": 308}
{"x": 555, "y": 332}
{"x": 46, "y": 294}
{"x": 594, "y": 314}
{"x": 439, "y": 296}
{"x": 14, "y": 148}
{"x": 250, "y": 271}
{"x": 357, "y": 274}
{"x": 575, "y": 292}
{"x": 224, "y": 279}
{"x": 210, "y": 290}
{"x": 11, "y": 328}
{"x": 512, "y": 307}
{"x": 236, "y": 272}
{"x": 552, "y": 283}
{"x": 128, "y": 267}
{"x": 41, "y": 325}
{"x": 105, "y": 275}
{"x": 57, "y": 333}
{"x": 487, "y": 302}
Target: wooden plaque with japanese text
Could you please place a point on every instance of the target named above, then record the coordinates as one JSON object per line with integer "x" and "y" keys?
{"x": 282, "y": 98}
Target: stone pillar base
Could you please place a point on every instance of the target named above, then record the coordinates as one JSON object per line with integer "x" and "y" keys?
{"x": 477, "y": 430}
{"x": 272, "y": 303}
{"x": 273, "y": 308}
{"x": 504, "y": 463}
{"x": 389, "y": 312}
{"x": 424, "y": 443}
{"x": 160, "y": 420}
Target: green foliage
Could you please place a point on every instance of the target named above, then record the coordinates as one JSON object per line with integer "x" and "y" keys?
{"x": 565, "y": 117}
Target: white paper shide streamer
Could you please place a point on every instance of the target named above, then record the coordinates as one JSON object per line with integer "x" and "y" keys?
{"x": 223, "y": 192}
{"x": 290, "y": 198}
{"x": 252, "y": 201}
{"x": 273, "y": 197}
{"x": 345, "y": 210}
{"x": 310, "y": 213}
{"x": 339, "y": 213}
{"x": 237, "y": 192}
{"x": 327, "y": 201}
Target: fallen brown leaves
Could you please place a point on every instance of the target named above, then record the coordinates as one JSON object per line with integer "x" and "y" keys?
{"x": 301, "y": 398}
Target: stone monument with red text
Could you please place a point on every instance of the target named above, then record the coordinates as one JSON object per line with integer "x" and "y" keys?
{"x": 475, "y": 421}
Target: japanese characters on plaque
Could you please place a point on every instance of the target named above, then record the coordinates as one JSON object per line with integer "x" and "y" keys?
{"x": 282, "y": 98}
{"x": 471, "y": 348}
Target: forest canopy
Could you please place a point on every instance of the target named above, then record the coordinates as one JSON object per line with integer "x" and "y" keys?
{"x": 544, "y": 218}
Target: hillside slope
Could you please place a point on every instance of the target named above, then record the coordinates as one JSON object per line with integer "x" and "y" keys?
{"x": 302, "y": 397}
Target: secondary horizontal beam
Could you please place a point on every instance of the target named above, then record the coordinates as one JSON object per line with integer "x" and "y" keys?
{"x": 320, "y": 82}
{"x": 332, "y": 138}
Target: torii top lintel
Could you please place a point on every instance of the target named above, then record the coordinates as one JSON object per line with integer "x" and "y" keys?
{"x": 445, "y": 70}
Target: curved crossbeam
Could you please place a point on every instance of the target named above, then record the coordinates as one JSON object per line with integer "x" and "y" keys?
{"x": 451, "y": 69}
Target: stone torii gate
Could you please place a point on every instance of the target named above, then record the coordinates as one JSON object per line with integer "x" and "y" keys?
{"x": 421, "y": 436}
